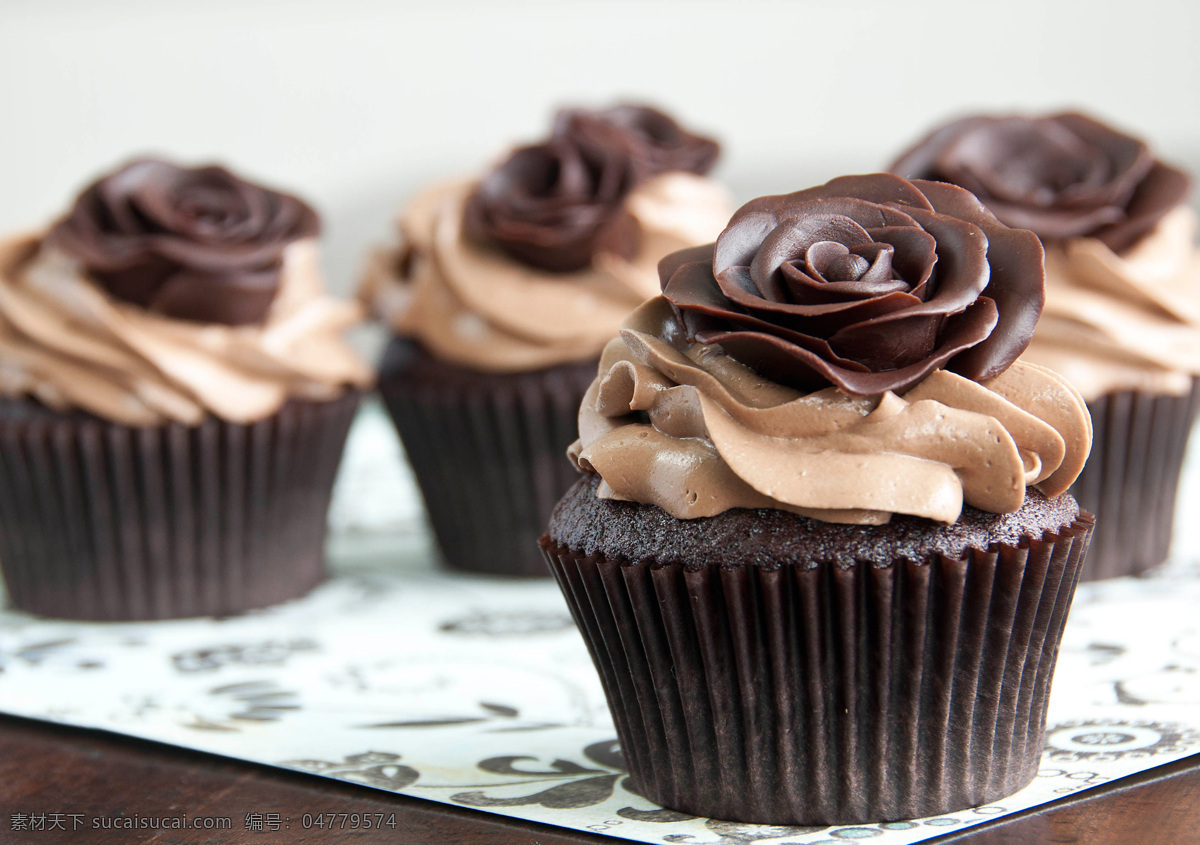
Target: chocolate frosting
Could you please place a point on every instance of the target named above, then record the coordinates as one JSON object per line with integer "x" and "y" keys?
{"x": 68, "y": 344}
{"x": 1124, "y": 322}
{"x": 195, "y": 244}
{"x": 683, "y": 426}
{"x": 869, "y": 283}
{"x": 656, "y": 142}
{"x": 1062, "y": 176}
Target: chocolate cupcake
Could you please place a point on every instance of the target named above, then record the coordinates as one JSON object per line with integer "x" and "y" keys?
{"x": 821, "y": 552}
{"x": 501, "y": 294}
{"x": 1122, "y": 317}
{"x": 174, "y": 398}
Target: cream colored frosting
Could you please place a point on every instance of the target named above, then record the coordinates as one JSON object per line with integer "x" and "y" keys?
{"x": 1122, "y": 322}
{"x": 68, "y": 343}
{"x": 686, "y": 427}
{"x": 473, "y": 305}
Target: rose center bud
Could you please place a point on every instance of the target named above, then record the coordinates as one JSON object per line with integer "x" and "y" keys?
{"x": 834, "y": 262}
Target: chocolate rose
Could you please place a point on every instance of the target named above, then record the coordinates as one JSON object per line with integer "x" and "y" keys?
{"x": 868, "y": 282}
{"x": 555, "y": 204}
{"x": 190, "y": 243}
{"x": 656, "y": 142}
{"x": 1062, "y": 176}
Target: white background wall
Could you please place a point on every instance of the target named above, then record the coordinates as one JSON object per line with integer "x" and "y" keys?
{"x": 356, "y": 103}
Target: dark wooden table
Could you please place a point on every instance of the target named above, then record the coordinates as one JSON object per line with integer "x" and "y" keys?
{"x": 83, "y": 775}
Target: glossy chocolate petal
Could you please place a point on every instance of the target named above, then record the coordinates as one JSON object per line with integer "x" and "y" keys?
{"x": 233, "y": 299}
{"x": 655, "y": 141}
{"x": 1163, "y": 189}
{"x": 804, "y": 369}
{"x": 1016, "y": 284}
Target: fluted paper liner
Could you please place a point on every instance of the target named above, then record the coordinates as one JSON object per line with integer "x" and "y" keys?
{"x": 828, "y": 695}
{"x": 488, "y": 451}
{"x": 1131, "y": 478}
{"x": 103, "y": 521}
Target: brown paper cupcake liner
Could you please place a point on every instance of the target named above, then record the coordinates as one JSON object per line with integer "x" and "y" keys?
{"x": 1131, "y": 478}
{"x": 102, "y": 521}
{"x": 828, "y": 695}
{"x": 488, "y": 451}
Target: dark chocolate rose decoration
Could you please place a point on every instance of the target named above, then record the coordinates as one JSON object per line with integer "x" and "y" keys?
{"x": 190, "y": 243}
{"x": 866, "y": 282}
{"x": 656, "y": 142}
{"x": 555, "y": 204}
{"x": 1062, "y": 176}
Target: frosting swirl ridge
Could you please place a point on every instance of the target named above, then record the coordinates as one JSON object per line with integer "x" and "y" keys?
{"x": 682, "y": 425}
{"x": 1127, "y": 321}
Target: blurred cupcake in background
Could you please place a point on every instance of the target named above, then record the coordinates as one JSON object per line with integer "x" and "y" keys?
{"x": 1122, "y": 315}
{"x": 501, "y": 292}
{"x": 174, "y": 398}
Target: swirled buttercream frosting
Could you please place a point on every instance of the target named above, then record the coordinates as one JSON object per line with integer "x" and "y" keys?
{"x": 68, "y": 342}
{"x": 1122, "y": 270}
{"x": 474, "y": 305}
{"x": 735, "y": 388}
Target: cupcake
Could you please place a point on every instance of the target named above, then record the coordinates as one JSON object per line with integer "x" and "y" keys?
{"x": 501, "y": 293}
{"x": 174, "y": 397}
{"x": 1122, "y": 317}
{"x": 821, "y": 552}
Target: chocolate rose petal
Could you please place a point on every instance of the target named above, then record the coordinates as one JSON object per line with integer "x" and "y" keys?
{"x": 889, "y": 346}
{"x": 739, "y": 242}
{"x": 880, "y": 270}
{"x": 920, "y": 161}
{"x": 1040, "y": 164}
{"x": 1055, "y": 224}
{"x": 655, "y": 142}
{"x": 668, "y": 264}
{"x": 806, "y": 223}
{"x": 665, "y": 143}
{"x": 700, "y": 302}
{"x": 233, "y": 299}
{"x": 1125, "y": 161}
{"x": 206, "y": 206}
{"x": 1016, "y": 284}
{"x": 737, "y": 287}
{"x": 801, "y": 368}
{"x": 139, "y": 283}
{"x": 1163, "y": 189}
{"x": 871, "y": 188}
{"x": 791, "y": 239}
{"x": 914, "y": 253}
{"x": 962, "y": 263}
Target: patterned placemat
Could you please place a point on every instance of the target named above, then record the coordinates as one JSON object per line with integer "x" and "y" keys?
{"x": 479, "y": 692}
